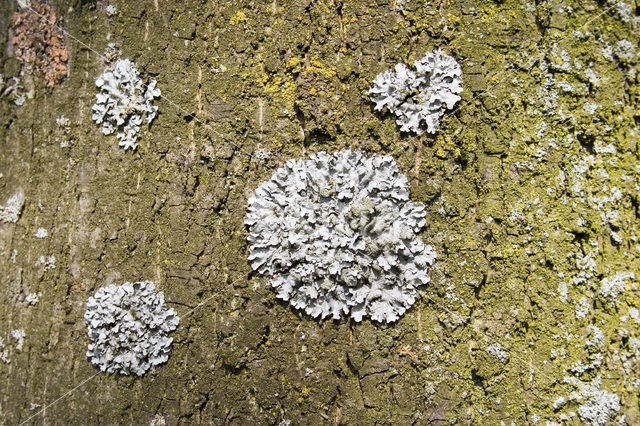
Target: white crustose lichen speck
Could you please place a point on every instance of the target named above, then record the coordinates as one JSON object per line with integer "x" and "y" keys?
{"x": 337, "y": 235}
{"x": 128, "y": 326}
{"x": 122, "y": 102}
{"x": 419, "y": 98}
{"x": 11, "y": 212}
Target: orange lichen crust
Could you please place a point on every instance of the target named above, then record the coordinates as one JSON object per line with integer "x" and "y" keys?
{"x": 39, "y": 44}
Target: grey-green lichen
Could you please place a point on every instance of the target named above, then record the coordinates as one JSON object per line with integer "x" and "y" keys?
{"x": 11, "y": 211}
{"x": 337, "y": 235}
{"x": 127, "y": 327}
{"x": 123, "y": 101}
{"x": 419, "y": 98}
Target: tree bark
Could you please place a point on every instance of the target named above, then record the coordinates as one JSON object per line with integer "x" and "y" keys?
{"x": 531, "y": 187}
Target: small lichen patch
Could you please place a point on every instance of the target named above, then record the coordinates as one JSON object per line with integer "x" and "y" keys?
{"x": 41, "y": 233}
{"x": 610, "y": 287}
{"x": 128, "y": 326}
{"x": 64, "y": 131}
{"x": 422, "y": 97}
{"x": 597, "y": 407}
{"x": 11, "y": 211}
{"x": 496, "y": 350}
{"x": 32, "y": 298}
{"x": 583, "y": 307}
{"x": 624, "y": 9}
{"x": 18, "y": 336}
{"x": 122, "y": 102}
{"x": 47, "y": 262}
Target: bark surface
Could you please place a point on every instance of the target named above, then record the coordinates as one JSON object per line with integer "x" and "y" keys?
{"x": 531, "y": 187}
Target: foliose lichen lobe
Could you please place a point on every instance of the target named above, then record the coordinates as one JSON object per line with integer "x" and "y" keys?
{"x": 419, "y": 98}
{"x": 122, "y": 101}
{"x": 337, "y": 234}
{"x": 128, "y": 326}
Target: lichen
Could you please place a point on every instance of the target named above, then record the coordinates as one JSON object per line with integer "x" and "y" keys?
{"x": 64, "y": 130}
{"x": 496, "y": 350}
{"x": 11, "y": 212}
{"x": 625, "y": 52}
{"x": 128, "y": 326}
{"x": 4, "y": 355}
{"x": 610, "y": 287}
{"x": 624, "y": 10}
{"x": 122, "y": 102}
{"x": 32, "y": 298}
{"x": 47, "y": 262}
{"x": 41, "y": 233}
{"x": 422, "y": 97}
{"x": 337, "y": 235}
{"x": 18, "y": 335}
{"x": 597, "y": 407}
{"x": 12, "y": 89}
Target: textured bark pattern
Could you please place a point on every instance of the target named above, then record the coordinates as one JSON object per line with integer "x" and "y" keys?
{"x": 518, "y": 185}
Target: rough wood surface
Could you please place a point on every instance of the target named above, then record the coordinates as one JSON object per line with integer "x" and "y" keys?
{"x": 531, "y": 187}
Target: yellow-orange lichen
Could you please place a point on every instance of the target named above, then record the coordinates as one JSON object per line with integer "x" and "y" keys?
{"x": 39, "y": 43}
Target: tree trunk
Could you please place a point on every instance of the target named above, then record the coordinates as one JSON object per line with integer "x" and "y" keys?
{"x": 531, "y": 188}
